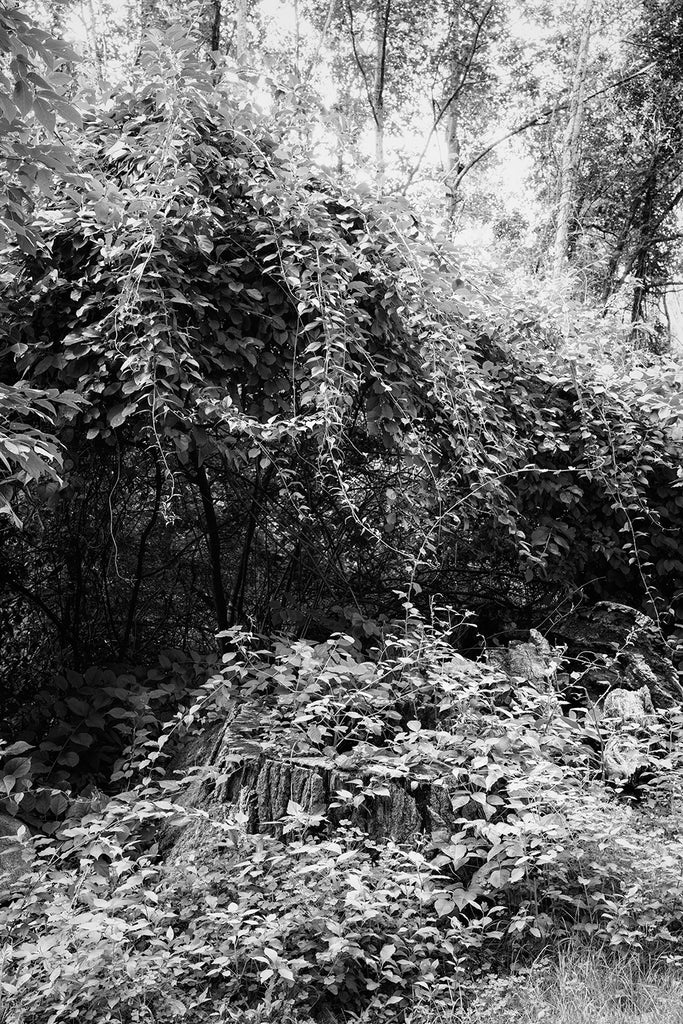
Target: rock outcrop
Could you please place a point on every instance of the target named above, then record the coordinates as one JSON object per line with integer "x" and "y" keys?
{"x": 615, "y": 646}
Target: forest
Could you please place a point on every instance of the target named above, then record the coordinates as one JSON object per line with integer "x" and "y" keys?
{"x": 341, "y": 510}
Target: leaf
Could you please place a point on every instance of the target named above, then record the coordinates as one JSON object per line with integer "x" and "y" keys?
{"x": 460, "y": 801}
{"x": 68, "y": 112}
{"x": 20, "y": 747}
{"x": 83, "y": 739}
{"x": 120, "y": 414}
{"x": 20, "y": 767}
{"x": 23, "y": 97}
{"x": 45, "y": 114}
{"x": 79, "y": 707}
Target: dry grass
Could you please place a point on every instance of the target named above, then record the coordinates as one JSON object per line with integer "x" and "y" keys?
{"x": 579, "y": 987}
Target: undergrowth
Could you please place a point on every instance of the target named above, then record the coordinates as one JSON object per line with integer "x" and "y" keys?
{"x": 152, "y": 905}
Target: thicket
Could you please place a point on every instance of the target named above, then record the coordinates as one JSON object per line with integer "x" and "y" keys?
{"x": 275, "y": 404}
{"x": 292, "y": 406}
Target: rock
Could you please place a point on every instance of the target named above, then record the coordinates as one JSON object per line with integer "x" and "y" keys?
{"x": 533, "y": 661}
{"x": 626, "y": 717}
{"x": 628, "y": 707}
{"x": 615, "y": 646}
{"x": 12, "y": 847}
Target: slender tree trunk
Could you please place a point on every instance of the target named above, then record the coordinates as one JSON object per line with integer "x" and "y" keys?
{"x": 640, "y": 264}
{"x": 214, "y": 548}
{"x": 240, "y": 39}
{"x": 142, "y": 551}
{"x": 452, "y": 117}
{"x": 382, "y": 16}
{"x": 571, "y": 146}
{"x": 322, "y": 38}
{"x": 97, "y": 43}
{"x": 240, "y": 587}
{"x": 215, "y": 24}
{"x": 620, "y": 248}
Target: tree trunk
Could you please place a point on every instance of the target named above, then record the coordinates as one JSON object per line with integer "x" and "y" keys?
{"x": 382, "y": 16}
{"x": 240, "y": 41}
{"x": 212, "y": 22}
{"x": 640, "y": 265}
{"x": 571, "y": 146}
{"x": 453, "y": 86}
{"x": 214, "y": 548}
{"x": 97, "y": 43}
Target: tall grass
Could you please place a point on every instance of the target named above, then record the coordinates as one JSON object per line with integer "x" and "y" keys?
{"x": 578, "y": 986}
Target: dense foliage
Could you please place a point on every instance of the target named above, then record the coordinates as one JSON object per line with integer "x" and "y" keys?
{"x": 274, "y": 456}
{"x": 295, "y": 408}
{"x": 102, "y": 929}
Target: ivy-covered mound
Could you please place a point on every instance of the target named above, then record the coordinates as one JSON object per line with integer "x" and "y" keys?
{"x": 292, "y": 413}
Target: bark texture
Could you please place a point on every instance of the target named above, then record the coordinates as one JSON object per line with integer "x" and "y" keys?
{"x": 571, "y": 146}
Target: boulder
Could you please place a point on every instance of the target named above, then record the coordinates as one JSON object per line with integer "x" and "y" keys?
{"x": 628, "y": 707}
{"x": 615, "y": 646}
{"x": 533, "y": 661}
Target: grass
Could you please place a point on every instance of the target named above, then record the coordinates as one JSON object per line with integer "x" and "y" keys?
{"x": 577, "y": 987}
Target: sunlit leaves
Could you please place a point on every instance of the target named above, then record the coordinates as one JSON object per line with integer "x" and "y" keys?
{"x": 27, "y": 453}
{"x": 32, "y": 87}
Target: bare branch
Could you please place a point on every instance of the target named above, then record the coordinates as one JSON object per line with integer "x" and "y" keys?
{"x": 379, "y": 92}
{"x": 548, "y": 111}
{"x": 529, "y": 122}
{"x": 359, "y": 62}
{"x": 462, "y": 78}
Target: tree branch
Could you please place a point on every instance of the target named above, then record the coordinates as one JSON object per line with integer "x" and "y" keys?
{"x": 359, "y": 62}
{"x": 379, "y": 92}
{"x": 536, "y": 119}
{"x": 462, "y": 78}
